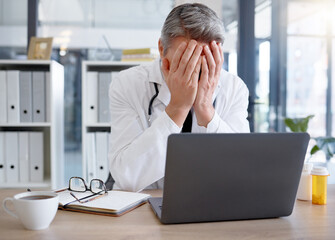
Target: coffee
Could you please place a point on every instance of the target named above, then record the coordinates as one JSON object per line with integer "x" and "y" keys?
{"x": 36, "y": 197}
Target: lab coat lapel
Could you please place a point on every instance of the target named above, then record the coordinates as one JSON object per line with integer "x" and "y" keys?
{"x": 157, "y": 77}
{"x": 164, "y": 94}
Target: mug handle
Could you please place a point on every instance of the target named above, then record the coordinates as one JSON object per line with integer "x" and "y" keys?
{"x": 4, "y": 205}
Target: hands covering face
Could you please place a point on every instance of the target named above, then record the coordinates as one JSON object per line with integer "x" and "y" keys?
{"x": 187, "y": 89}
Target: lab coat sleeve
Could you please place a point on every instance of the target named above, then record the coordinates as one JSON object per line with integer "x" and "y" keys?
{"x": 137, "y": 155}
{"x": 234, "y": 118}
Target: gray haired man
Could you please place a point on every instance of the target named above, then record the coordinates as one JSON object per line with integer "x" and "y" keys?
{"x": 185, "y": 90}
{"x": 191, "y": 41}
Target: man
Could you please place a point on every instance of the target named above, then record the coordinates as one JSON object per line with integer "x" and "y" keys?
{"x": 150, "y": 102}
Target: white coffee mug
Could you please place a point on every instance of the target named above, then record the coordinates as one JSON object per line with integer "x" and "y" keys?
{"x": 36, "y": 210}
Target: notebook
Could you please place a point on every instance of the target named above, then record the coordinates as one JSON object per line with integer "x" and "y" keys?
{"x": 216, "y": 177}
{"x": 115, "y": 203}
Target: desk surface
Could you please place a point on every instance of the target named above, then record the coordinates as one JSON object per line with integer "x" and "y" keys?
{"x": 306, "y": 222}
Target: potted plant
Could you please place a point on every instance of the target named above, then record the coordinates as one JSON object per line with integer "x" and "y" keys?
{"x": 326, "y": 144}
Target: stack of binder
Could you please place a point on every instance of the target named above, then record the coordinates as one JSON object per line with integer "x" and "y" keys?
{"x": 97, "y": 96}
{"x": 139, "y": 54}
{"x": 21, "y": 157}
{"x": 24, "y": 96}
{"x": 97, "y": 146}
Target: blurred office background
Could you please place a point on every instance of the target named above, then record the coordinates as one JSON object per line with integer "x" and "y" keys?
{"x": 283, "y": 49}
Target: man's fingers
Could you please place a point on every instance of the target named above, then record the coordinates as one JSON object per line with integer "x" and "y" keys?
{"x": 210, "y": 61}
{"x": 222, "y": 59}
{"x": 192, "y": 64}
{"x": 196, "y": 72}
{"x": 204, "y": 69}
{"x": 177, "y": 56}
{"x": 216, "y": 52}
{"x": 221, "y": 52}
{"x": 218, "y": 56}
{"x": 187, "y": 55}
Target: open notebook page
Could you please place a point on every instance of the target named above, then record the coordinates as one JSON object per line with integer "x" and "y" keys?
{"x": 115, "y": 201}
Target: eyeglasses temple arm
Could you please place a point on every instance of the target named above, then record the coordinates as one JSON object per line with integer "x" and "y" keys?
{"x": 76, "y": 197}
{"x": 91, "y": 199}
{"x": 88, "y": 200}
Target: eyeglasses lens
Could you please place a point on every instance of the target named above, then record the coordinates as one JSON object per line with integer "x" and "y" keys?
{"x": 77, "y": 184}
{"x": 97, "y": 186}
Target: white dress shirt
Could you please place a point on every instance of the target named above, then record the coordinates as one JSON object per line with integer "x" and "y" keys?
{"x": 138, "y": 146}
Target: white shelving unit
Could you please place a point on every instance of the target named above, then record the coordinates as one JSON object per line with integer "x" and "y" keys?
{"x": 53, "y": 129}
{"x": 87, "y": 127}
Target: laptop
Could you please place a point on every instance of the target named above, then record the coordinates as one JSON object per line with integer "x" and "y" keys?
{"x": 218, "y": 177}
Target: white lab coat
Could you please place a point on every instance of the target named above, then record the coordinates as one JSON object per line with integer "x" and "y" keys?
{"x": 138, "y": 146}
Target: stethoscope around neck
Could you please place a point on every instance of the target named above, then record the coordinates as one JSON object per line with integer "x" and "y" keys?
{"x": 152, "y": 100}
{"x": 156, "y": 94}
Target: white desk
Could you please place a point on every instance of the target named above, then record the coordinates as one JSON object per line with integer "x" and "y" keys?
{"x": 307, "y": 222}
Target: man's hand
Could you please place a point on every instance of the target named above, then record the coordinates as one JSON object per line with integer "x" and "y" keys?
{"x": 181, "y": 76}
{"x": 211, "y": 64}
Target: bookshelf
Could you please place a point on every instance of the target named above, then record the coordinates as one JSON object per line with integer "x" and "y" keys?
{"x": 92, "y": 124}
{"x": 51, "y": 128}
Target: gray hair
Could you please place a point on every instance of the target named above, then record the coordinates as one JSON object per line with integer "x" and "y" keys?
{"x": 192, "y": 21}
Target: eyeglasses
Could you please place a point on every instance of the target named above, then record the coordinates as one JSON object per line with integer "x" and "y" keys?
{"x": 78, "y": 184}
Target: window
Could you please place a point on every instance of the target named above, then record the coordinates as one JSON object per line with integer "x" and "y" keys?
{"x": 307, "y": 63}
{"x": 13, "y": 29}
{"x": 262, "y": 86}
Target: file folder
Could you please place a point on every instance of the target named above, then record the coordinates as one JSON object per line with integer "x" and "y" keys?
{"x": 11, "y": 156}
{"x": 47, "y": 97}
{"x": 13, "y": 96}
{"x": 26, "y": 100}
{"x": 38, "y": 96}
{"x": 102, "y": 155}
{"x": 91, "y": 156}
{"x": 2, "y": 158}
{"x": 3, "y": 97}
{"x": 36, "y": 156}
{"x": 103, "y": 86}
{"x": 92, "y": 97}
{"x": 24, "y": 157}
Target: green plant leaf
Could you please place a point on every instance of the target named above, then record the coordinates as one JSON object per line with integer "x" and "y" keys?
{"x": 304, "y": 123}
{"x": 291, "y": 125}
{"x": 298, "y": 124}
{"x": 314, "y": 149}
